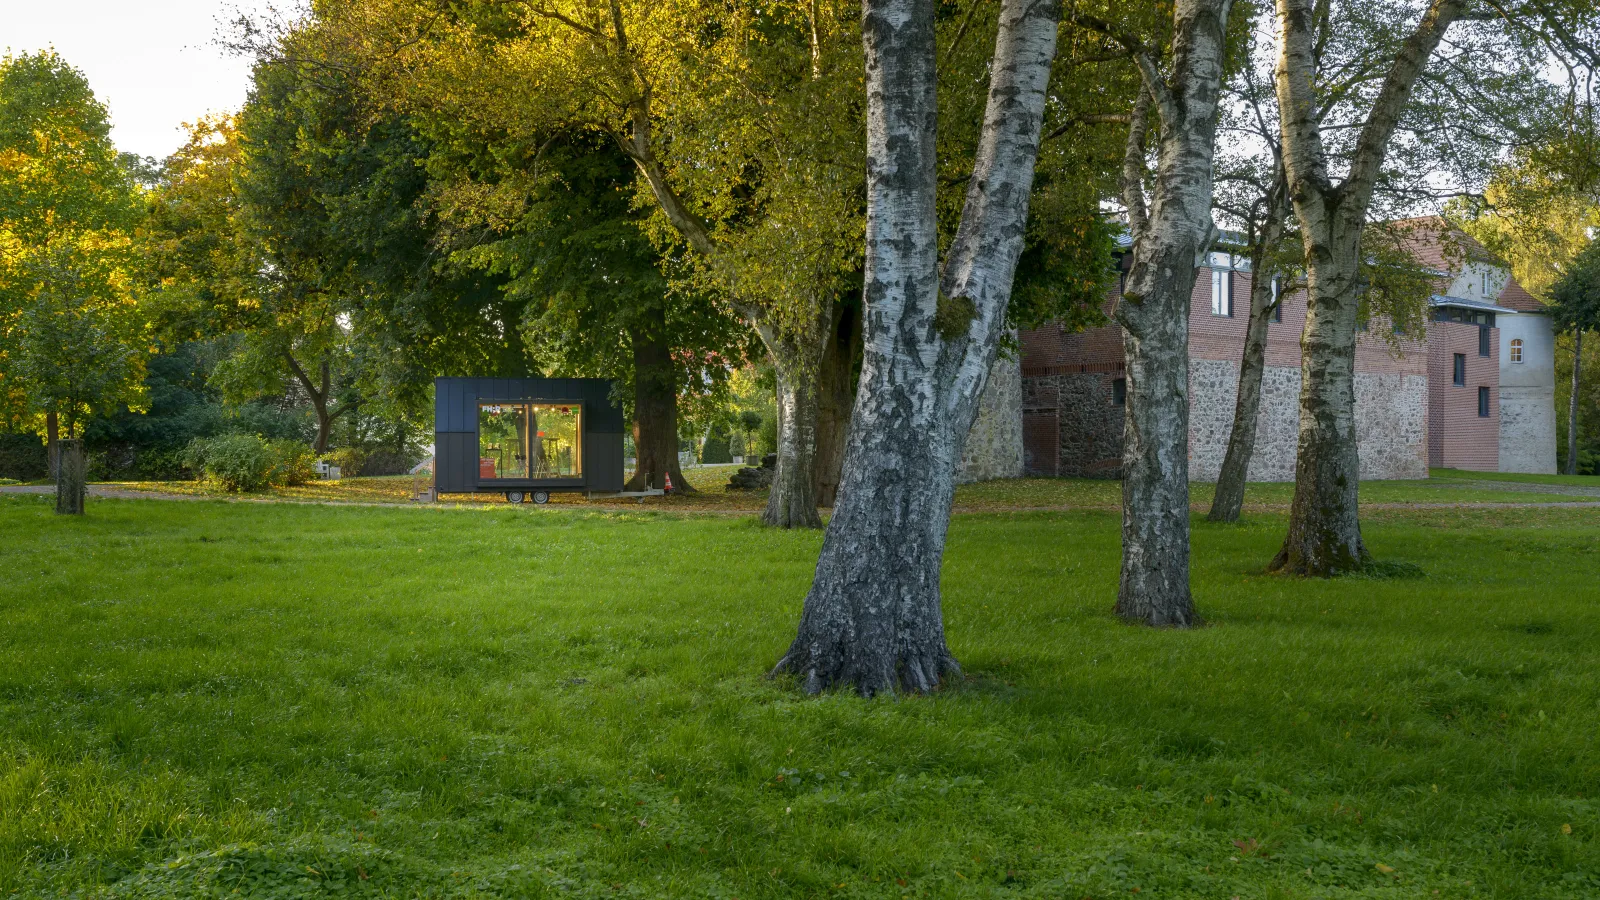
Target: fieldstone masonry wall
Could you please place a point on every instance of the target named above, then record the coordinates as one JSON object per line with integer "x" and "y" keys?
{"x": 1087, "y": 423}
{"x": 1392, "y": 425}
{"x": 1213, "y": 393}
{"x": 1391, "y": 422}
{"x": 994, "y": 445}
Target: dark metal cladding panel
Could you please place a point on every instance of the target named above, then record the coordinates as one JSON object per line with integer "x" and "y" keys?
{"x": 602, "y": 462}
{"x": 455, "y": 462}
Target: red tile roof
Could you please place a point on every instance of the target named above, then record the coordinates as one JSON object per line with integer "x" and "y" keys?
{"x": 1515, "y": 297}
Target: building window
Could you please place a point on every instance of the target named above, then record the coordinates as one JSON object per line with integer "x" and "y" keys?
{"x": 530, "y": 440}
{"x": 1459, "y": 369}
{"x": 1483, "y": 403}
{"x": 1483, "y": 340}
{"x": 1119, "y": 391}
{"x": 1277, "y": 305}
{"x": 1221, "y": 292}
{"x": 1516, "y": 350}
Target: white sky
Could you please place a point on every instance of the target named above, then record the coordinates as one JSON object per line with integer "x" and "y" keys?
{"x": 154, "y": 63}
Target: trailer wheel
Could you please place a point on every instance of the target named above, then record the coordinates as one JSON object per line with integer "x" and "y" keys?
{"x": 514, "y": 496}
{"x": 541, "y": 497}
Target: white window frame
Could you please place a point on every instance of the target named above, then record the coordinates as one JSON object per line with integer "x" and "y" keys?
{"x": 1222, "y": 292}
{"x": 1516, "y": 350}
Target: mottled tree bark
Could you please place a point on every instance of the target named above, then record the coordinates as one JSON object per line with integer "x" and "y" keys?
{"x": 836, "y": 396}
{"x": 1229, "y": 496}
{"x": 1324, "y": 522}
{"x": 1171, "y": 232}
{"x": 872, "y": 618}
{"x": 72, "y": 478}
{"x": 655, "y": 410}
{"x": 792, "y": 500}
{"x": 1572, "y": 403}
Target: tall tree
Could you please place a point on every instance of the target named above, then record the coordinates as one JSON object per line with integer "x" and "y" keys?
{"x": 71, "y": 336}
{"x": 1336, "y": 146}
{"x": 872, "y": 618}
{"x": 563, "y": 233}
{"x": 1171, "y": 226}
{"x": 1576, "y": 309}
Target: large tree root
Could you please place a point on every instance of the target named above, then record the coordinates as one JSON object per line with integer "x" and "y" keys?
{"x": 911, "y": 673}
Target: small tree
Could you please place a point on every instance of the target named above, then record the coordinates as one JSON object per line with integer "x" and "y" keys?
{"x": 1576, "y": 309}
{"x": 70, "y": 331}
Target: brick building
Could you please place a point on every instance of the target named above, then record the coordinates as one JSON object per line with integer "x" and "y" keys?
{"x": 1412, "y": 411}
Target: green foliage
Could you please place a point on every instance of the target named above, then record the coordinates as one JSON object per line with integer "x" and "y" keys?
{"x": 246, "y": 715}
{"x": 293, "y": 463}
{"x": 716, "y": 448}
{"x": 243, "y": 463}
{"x": 72, "y": 337}
{"x": 349, "y": 460}
{"x": 22, "y": 456}
{"x": 1575, "y": 298}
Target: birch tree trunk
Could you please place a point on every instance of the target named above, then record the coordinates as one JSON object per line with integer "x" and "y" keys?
{"x": 1324, "y": 536}
{"x": 873, "y": 618}
{"x": 1229, "y": 496}
{"x": 792, "y": 501}
{"x": 1572, "y": 403}
{"x": 1170, "y": 239}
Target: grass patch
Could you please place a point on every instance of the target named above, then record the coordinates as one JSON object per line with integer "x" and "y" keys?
{"x": 198, "y": 698}
{"x": 711, "y": 483}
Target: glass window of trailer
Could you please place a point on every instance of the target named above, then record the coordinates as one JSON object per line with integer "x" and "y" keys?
{"x": 530, "y": 441}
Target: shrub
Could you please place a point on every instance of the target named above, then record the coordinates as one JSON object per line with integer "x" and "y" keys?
{"x": 22, "y": 456}
{"x": 715, "y": 449}
{"x": 350, "y": 460}
{"x": 236, "y": 462}
{"x": 293, "y": 464}
{"x": 389, "y": 462}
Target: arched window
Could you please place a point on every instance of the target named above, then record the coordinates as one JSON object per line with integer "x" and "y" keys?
{"x": 1516, "y": 350}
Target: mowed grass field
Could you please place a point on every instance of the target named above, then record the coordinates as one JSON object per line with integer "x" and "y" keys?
{"x": 1446, "y": 486}
{"x": 273, "y": 700}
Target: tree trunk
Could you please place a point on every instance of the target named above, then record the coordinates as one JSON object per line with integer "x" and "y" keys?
{"x": 1170, "y": 240}
{"x": 836, "y": 396}
{"x": 324, "y": 424}
{"x": 1324, "y": 536}
{"x": 1229, "y": 496}
{"x": 655, "y": 411}
{"x": 1572, "y": 403}
{"x": 52, "y": 442}
{"x": 72, "y": 478}
{"x": 1324, "y": 520}
{"x": 792, "y": 501}
{"x": 873, "y": 618}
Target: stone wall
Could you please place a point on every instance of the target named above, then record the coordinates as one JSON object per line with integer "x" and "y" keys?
{"x": 1528, "y": 429}
{"x": 1213, "y": 394}
{"x": 1078, "y": 412}
{"x": 994, "y": 445}
{"x": 1392, "y": 425}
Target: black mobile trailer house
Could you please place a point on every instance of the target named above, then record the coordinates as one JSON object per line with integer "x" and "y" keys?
{"x": 527, "y": 437}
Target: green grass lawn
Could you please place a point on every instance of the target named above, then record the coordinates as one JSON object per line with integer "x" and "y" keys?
{"x": 1587, "y": 481}
{"x": 210, "y": 699}
{"x": 1450, "y": 486}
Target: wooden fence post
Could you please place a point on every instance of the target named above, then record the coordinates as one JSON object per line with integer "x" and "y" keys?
{"x": 71, "y": 478}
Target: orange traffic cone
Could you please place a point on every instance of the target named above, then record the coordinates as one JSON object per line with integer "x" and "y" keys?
{"x": 668, "y": 489}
